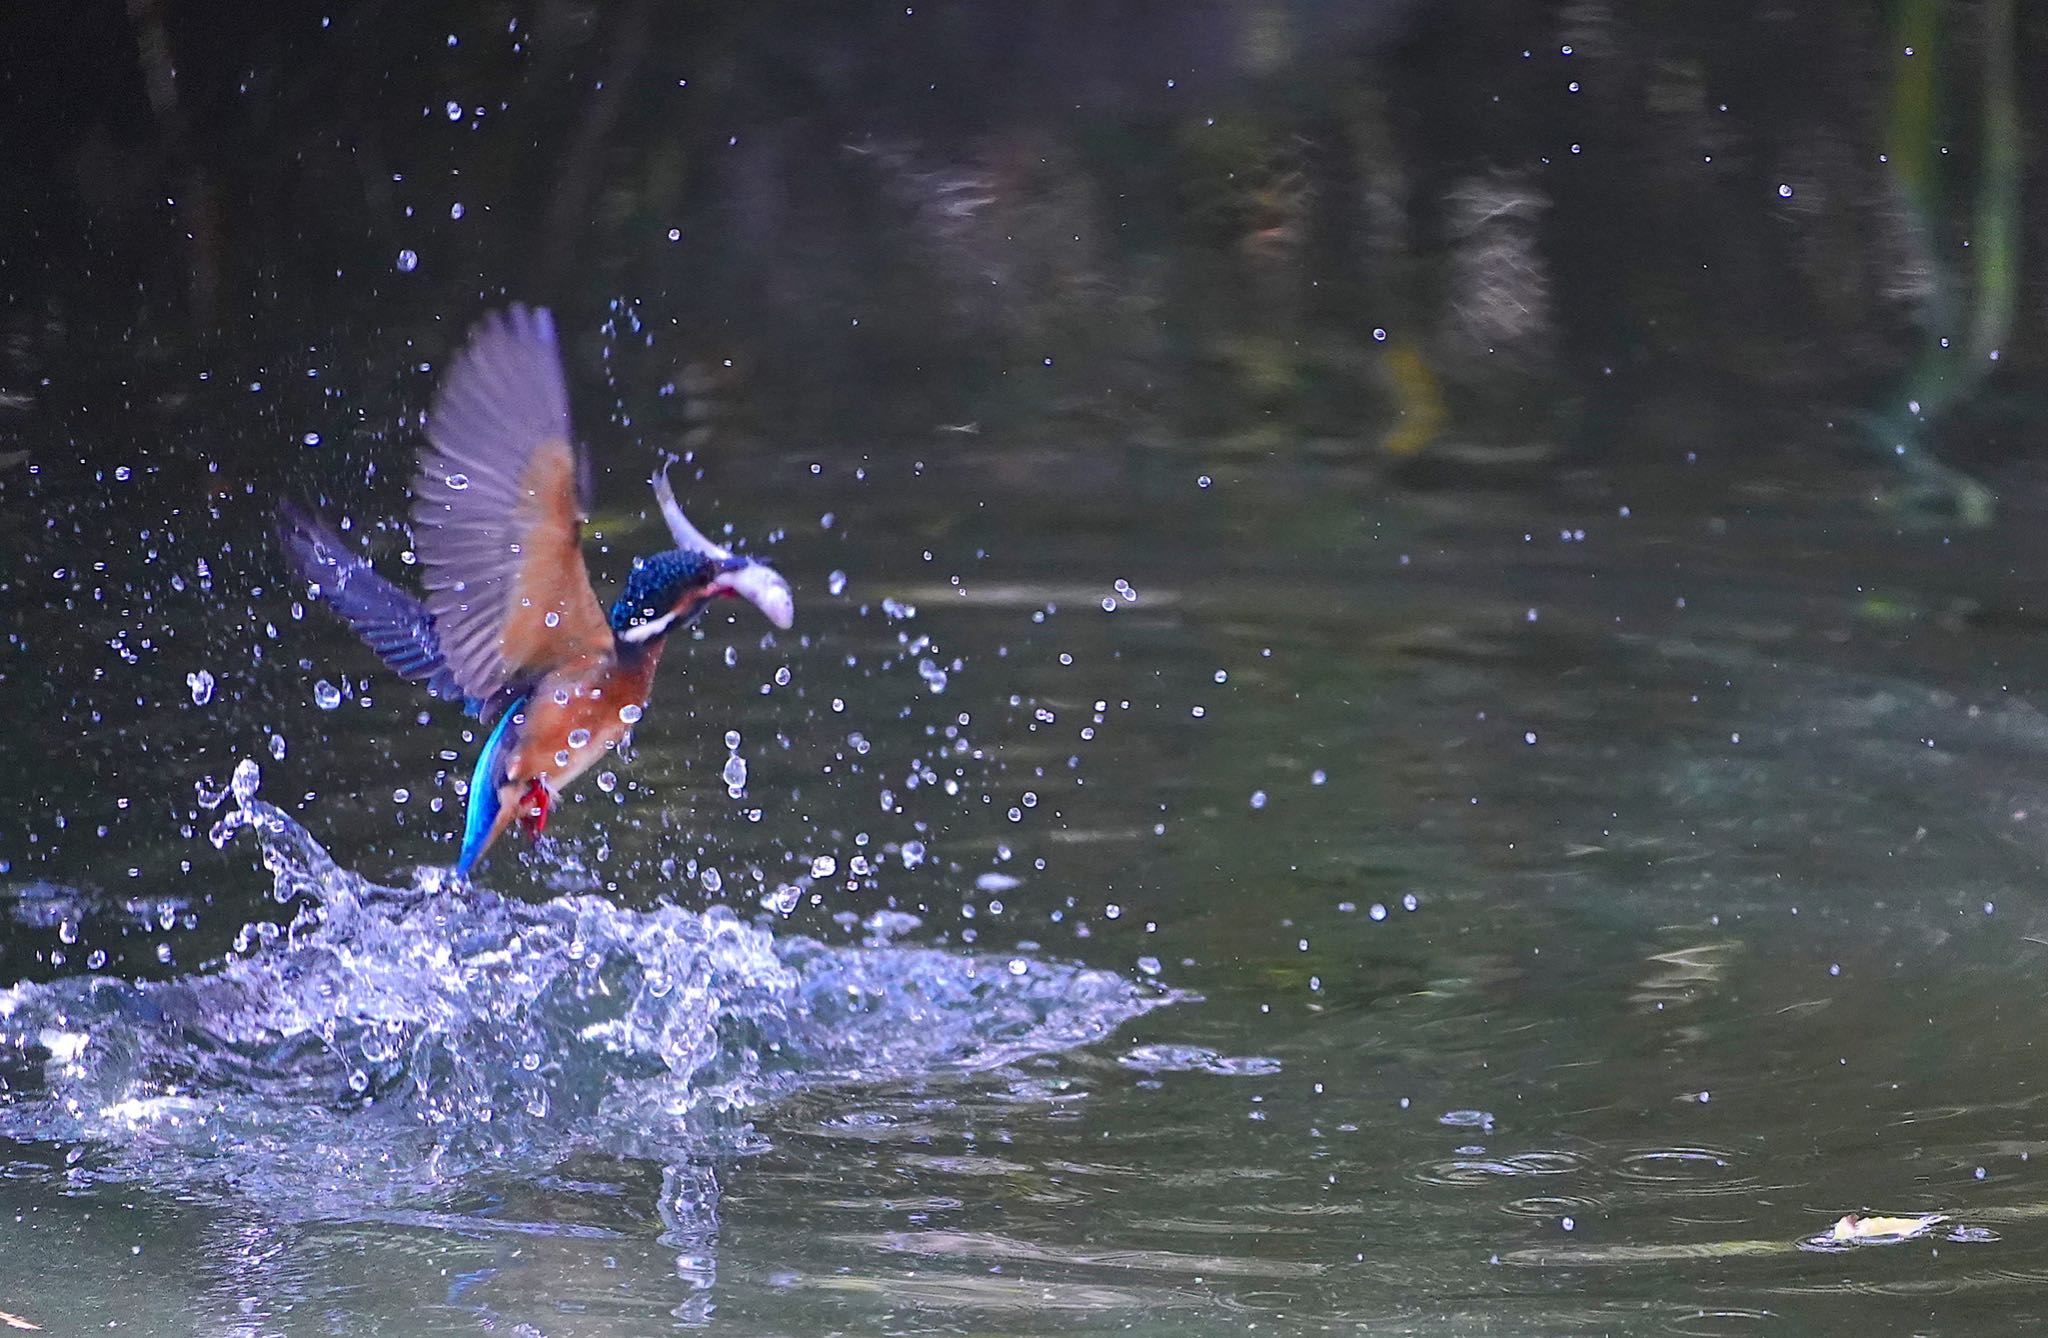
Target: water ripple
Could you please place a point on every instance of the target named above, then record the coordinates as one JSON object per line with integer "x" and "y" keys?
{"x": 1684, "y": 1172}
{"x": 1195, "y": 1059}
{"x": 1480, "y": 1170}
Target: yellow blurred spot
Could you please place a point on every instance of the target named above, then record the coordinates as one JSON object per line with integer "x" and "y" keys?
{"x": 1418, "y": 402}
{"x": 1854, "y": 1228}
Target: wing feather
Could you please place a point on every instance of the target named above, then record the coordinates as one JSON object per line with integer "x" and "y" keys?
{"x": 498, "y": 511}
{"x": 391, "y": 622}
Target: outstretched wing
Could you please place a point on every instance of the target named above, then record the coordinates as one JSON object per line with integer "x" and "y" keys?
{"x": 391, "y": 622}
{"x": 498, "y": 510}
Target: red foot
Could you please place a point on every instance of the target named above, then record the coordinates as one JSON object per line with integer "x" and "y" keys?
{"x": 533, "y": 807}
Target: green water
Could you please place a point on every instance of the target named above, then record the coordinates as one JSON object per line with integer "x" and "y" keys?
{"x": 1572, "y": 928}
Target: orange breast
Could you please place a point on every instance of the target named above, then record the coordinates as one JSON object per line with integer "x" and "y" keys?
{"x": 575, "y": 721}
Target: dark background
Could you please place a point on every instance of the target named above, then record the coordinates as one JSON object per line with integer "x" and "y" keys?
{"x": 1201, "y": 211}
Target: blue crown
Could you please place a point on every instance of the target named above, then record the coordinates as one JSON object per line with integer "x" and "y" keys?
{"x": 656, "y": 584}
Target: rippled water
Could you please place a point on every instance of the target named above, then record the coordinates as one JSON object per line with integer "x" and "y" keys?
{"x": 1561, "y": 936}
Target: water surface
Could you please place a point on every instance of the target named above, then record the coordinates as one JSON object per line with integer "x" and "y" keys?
{"x": 1565, "y": 910}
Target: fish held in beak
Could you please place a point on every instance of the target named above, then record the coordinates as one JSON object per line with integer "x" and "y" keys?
{"x": 763, "y": 587}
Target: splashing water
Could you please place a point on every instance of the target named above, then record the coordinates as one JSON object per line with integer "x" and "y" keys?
{"x": 392, "y": 1040}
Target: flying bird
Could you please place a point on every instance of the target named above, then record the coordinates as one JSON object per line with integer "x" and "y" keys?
{"x": 510, "y": 625}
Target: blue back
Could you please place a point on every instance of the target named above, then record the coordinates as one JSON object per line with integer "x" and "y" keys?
{"x": 483, "y": 787}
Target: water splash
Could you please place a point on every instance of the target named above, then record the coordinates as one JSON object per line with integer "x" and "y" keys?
{"x": 390, "y": 1041}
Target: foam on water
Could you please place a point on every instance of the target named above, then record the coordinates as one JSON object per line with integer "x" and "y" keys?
{"x": 393, "y": 1040}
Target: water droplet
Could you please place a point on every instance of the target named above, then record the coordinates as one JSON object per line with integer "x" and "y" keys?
{"x": 824, "y": 866}
{"x": 732, "y": 740}
{"x": 201, "y": 684}
{"x": 1318, "y": 777}
{"x": 913, "y": 854}
{"x": 607, "y": 781}
{"x": 711, "y": 880}
{"x": 630, "y": 713}
{"x": 735, "y": 775}
{"x": 326, "y": 696}
{"x": 1258, "y": 798}
{"x": 408, "y": 261}
{"x": 836, "y": 583}
{"x": 579, "y": 738}
{"x": 458, "y": 482}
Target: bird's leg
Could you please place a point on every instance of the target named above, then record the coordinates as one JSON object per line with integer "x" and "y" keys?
{"x": 533, "y": 807}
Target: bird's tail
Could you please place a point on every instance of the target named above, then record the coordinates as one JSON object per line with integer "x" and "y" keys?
{"x": 488, "y": 815}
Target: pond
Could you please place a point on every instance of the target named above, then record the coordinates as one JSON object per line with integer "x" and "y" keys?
{"x": 1343, "y": 765}
{"x": 1358, "y": 906}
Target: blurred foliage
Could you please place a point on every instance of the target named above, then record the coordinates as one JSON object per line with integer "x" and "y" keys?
{"x": 1488, "y": 223}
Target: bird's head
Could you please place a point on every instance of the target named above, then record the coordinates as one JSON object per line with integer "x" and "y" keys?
{"x": 672, "y": 589}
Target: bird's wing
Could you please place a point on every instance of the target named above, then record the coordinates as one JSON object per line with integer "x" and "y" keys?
{"x": 498, "y": 508}
{"x": 393, "y": 623}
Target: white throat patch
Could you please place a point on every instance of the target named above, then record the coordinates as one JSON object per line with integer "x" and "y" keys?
{"x": 653, "y": 627}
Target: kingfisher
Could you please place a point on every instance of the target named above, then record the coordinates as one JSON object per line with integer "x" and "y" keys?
{"x": 510, "y": 626}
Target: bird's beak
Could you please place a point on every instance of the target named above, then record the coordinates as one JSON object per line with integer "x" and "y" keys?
{"x": 763, "y": 587}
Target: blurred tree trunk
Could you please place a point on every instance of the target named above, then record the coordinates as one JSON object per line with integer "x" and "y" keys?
{"x": 196, "y": 207}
